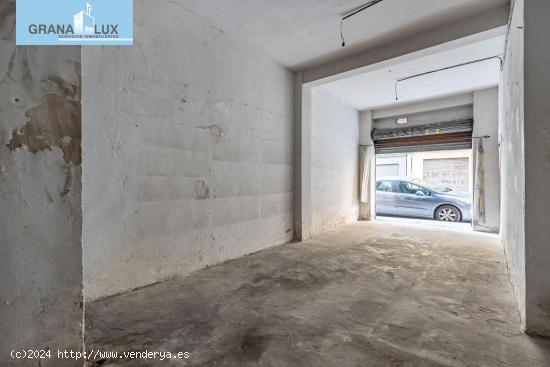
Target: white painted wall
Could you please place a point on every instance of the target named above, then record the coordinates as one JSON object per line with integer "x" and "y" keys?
{"x": 334, "y": 162}
{"x": 365, "y": 127}
{"x": 367, "y": 210}
{"x": 302, "y": 160}
{"x": 537, "y": 165}
{"x": 512, "y": 153}
{"x": 486, "y": 124}
{"x": 188, "y": 141}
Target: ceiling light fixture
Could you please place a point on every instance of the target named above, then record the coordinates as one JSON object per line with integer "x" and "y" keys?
{"x": 402, "y": 120}
{"x": 353, "y": 12}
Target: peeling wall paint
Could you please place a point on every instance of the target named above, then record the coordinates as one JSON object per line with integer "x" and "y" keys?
{"x": 54, "y": 122}
{"x": 40, "y": 197}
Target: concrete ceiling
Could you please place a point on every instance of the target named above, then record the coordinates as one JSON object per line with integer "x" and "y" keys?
{"x": 376, "y": 88}
{"x": 302, "y": 33}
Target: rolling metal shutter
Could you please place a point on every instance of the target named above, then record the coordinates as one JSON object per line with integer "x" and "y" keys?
{"x": 440, "y": 136}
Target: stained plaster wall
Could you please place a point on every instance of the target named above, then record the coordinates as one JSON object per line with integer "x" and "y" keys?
{"x": 367, "y": 211}
{"x": 334, "y": 161}
{"x": 525, "y": 152}
{"x": 188, "y": 151}
{"x": 537, "y": 165}
{"x": 40, "y": 197}
{"x": 512, "y": 153}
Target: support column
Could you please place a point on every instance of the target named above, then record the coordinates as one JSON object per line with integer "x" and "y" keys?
{"x": 367, "y": 210}
{"x": 302, "y": 159}
{"x": 486, "y": 124}
{"x": 537, "y": 165}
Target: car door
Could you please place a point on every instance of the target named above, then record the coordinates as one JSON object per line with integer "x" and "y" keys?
{"x": 385, "y": 197}
{"x": 413, "y": 200}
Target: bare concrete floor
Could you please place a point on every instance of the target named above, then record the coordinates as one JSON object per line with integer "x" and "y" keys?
{"x": 367, "y": 294}
{"x": 431, "y": 223}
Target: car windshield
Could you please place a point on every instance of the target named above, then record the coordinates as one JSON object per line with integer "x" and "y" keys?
{"x": 430, "y": 186}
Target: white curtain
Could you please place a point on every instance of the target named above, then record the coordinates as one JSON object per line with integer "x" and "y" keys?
{"x": 479, "y": 185}
{"x": 366, "y": 157}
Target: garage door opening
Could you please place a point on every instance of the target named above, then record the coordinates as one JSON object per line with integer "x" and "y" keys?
{"x": 425, "y": 173}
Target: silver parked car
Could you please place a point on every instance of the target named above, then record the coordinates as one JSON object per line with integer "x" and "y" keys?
{"x": 410, "y": 197}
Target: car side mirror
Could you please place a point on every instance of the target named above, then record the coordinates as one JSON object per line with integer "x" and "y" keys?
{"x": 420, "y": 193}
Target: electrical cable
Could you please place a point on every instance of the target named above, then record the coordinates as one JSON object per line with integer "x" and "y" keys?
{"x": 352, "y": 13}
{"x": 342, "y": 33}
{"x": 443, "y": 69}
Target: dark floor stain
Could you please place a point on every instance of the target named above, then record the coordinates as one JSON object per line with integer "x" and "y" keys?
{"x": 98, "y": 363}
{"x": 289, "y": 279}
{"x": 253, "y": 345}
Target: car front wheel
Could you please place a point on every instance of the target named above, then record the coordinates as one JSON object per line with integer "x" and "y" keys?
{"x": 448, "y": 213}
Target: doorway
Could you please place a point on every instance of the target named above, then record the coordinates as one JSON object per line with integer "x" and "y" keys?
{"x": 425, "y": 173}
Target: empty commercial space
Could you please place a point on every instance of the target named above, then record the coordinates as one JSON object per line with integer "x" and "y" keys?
{"x": 214, "y": 190}
{"x": 366, "y": 294}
